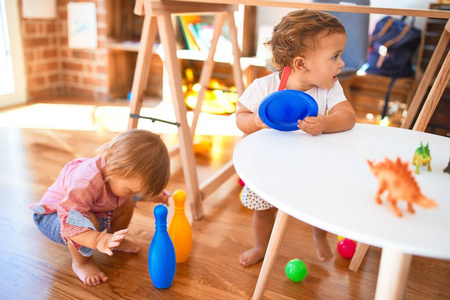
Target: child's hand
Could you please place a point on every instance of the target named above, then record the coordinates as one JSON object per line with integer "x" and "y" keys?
{"x": 313, "y": 125}
{"x": 107, "y": 242}
{"x": 162, "y": 198}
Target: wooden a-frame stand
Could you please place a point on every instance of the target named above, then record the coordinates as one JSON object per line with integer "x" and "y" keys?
{"x": 427, "y": 111}
{"x": 158, "y": 16}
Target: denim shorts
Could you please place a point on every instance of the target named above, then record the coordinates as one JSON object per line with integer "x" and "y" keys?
{"x": 50, "y": 226}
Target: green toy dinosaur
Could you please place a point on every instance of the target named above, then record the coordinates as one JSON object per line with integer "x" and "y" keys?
{"x": 422, "y": 157}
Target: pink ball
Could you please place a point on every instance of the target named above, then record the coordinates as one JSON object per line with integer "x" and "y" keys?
{"x": 346, "y": 248}
{"x": 241, "y": 182}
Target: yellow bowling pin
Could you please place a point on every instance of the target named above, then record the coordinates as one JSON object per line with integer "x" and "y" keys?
{"x": 179, "y": 229}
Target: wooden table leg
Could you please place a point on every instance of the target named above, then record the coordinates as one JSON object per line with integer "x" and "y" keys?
{"x": 207, "y": 69}
{"x": 393, "y": 274}
{"x": 237, "y": 69}
{"x": 142, "y": 67}
{"x": 172, "y": 65}
{"x": 208, "y": 65}
{"x": 360, "y": 252}
{"x": 278, "y": 232}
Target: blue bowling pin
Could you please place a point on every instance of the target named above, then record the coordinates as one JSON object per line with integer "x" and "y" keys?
{"x": 161, "y": 255}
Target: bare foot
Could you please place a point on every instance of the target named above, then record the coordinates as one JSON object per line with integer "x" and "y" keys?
{"x": 252, "y": 256}
{"x": 128, "y": 246}
{"x": 89, "y": 273}
{"x": 323, "y": 249}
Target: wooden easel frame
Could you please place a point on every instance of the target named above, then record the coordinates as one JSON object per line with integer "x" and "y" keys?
{"x": 427, "y": 111}
{"x": 158, "y": 16}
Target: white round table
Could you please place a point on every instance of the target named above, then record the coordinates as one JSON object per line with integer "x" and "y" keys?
{"x": 325, "y": 181}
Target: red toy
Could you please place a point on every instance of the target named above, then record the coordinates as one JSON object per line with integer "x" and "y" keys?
{"x": 346, "y": 248}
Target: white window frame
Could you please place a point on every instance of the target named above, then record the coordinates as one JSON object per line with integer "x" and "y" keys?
{"x": 19, "y": 96}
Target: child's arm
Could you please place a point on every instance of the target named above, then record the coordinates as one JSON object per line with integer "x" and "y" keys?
{"x": 247, "y": 121}
{"x": 104, "y": 242}
{"x": 340, "y": 118}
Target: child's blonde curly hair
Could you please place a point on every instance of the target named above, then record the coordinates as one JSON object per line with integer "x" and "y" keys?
{"x": 298, "y": 33}
{"x": 138, "y": 153}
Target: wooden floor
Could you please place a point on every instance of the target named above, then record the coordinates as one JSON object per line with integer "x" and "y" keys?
{"x": 33, "y": 267}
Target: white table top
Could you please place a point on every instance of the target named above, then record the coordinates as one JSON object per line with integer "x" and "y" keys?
{"x": 325, "y": 181}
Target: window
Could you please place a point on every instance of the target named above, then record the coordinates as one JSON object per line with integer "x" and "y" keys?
{"x": 6, "y": 71}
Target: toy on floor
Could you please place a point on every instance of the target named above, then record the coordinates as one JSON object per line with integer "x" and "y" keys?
{"x": 447, "y": 169}
{"x": 422, "y": 157}
{"x": 398, "y": 180}
{"x": 296, "y": 270}
{"x": 161, "y": 254}
{"x": 241, "y": 183}
{"x": 340, "y": 238}
{"x": 346, "y": 248}
{"x": 202, "y": 147}
{"x": 179, "y": 229}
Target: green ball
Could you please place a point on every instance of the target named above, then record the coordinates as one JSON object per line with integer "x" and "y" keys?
{"x": 296, "y": 270}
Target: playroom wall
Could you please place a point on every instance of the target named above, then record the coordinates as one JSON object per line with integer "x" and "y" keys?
{"x": 52, "y": 68}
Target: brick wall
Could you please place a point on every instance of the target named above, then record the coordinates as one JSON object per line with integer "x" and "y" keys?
{"x": 53, "y": 69}
{"x": 41, "y": 58}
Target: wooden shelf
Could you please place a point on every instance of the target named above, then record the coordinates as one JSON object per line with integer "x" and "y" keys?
{"x": 190, "y": 54}
{"x": 124, "y": 29}
{"x": 124, "y": 46}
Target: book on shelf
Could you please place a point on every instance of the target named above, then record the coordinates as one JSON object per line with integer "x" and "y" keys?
{"x": 202, "y": 43}
{"x": 198, "y": 33}
{"x": 205, "y": 32}
{"x": 185, "y": 20}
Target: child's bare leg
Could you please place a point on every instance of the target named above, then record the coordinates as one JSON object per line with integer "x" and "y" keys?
{"x": 322, "y": 247}
{"x": 85, "y": 267}
{"x": 263, "y": 221}
{"x": 120, "y": 220}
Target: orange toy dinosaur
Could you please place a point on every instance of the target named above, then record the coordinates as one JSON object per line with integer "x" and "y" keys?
{"x": 397, "y": 179}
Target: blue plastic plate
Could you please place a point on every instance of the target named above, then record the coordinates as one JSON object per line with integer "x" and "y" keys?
{"x": 282, "y": 110}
